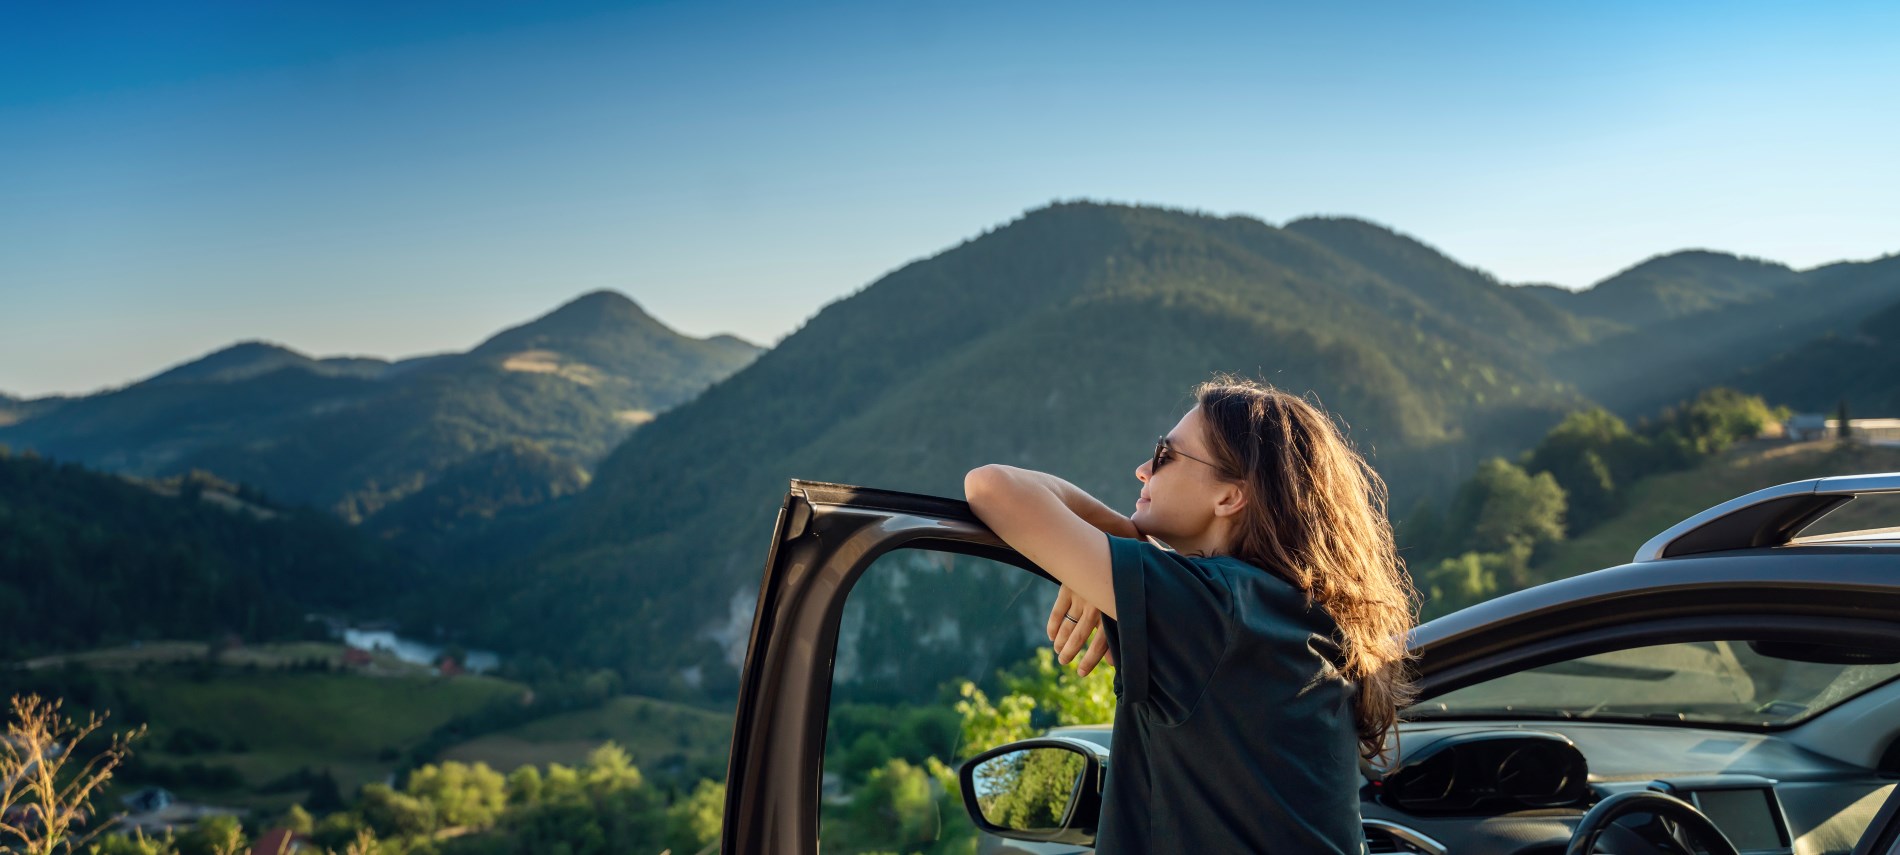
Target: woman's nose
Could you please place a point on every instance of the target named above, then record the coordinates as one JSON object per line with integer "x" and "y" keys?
{"x": 1141, "y": 472}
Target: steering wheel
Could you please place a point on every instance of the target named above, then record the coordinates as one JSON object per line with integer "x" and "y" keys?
{"x": 1667, "y": 808}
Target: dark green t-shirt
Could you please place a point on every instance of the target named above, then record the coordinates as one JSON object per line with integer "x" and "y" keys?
{"x": 1234, "y": 729}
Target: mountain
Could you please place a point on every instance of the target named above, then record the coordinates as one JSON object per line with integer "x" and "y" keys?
{"x": 245, "y": 360}
{"x": 1511, "y": 319}
{"x": 1860, "y": 366}
{"x": 1067, "y": 339}
{"x": 1674, "y": 285}
{"x": 354, "y": 435}
{"x": 1637, "y": 371}
{"x": 93, "y": 559}
{"x": 14, "y": 410}
{"x": 1064, "y": 341}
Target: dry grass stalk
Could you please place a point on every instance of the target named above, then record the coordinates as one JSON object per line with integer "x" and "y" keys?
{"x": 36, "y": 776}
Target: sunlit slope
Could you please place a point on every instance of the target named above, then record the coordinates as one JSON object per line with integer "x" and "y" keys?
{"x": 1678, "y": 284}
{"x": 1511, "y": 319}
{"x": 1065, "y": 341}
{"x": 1657, "y": 503}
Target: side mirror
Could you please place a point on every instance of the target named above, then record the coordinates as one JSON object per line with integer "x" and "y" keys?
{"x": 1047, "y": 789}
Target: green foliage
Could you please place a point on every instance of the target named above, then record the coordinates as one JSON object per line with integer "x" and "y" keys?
{"x": 1503, "y": 507}
{"x": 1577, "y": 453}
{"x": 1507, "y": 518}
{"x": 462, "y": 795}
{"x": 694, "y": 822}
{"x": 897, "y": 798}
{"x": 1039, "y": 694}
{"x": 217, "y": 835}
{"x": 89, "y": 559}
{"x": 297, "y": 820}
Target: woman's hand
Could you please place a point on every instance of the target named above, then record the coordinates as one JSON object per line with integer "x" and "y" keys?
{"x": 1069, "y": 635}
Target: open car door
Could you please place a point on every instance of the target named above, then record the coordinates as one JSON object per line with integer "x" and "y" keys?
{"x": 826, "y": 536}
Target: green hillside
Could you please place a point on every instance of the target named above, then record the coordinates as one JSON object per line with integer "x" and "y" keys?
{"x": 1644, "y": 369}
{"x": 660, "y": 737}
{"x": 1675, "y": 285}
{"x": 1064, "y": 341}
{"x": 1511, "y": 319}
{"x": 355, "y": 435}
{"x": 1860, "y": 366}
{"x": 1657, "y": 503}
{"x": 87, "y": 559}
{"x": 252, "y": 736}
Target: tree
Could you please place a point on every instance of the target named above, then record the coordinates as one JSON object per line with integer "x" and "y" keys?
{"x": 1589, "y": 453}
{"x": 35, "y": 775}
{"x": 694, "y": 822}
{"x": 1503, "y": 506}
{"x": 460, "y": 795}
{"x": 897, "y": 799}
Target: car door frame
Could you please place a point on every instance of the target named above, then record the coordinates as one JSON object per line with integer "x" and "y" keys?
{"x": 825, "y": 537}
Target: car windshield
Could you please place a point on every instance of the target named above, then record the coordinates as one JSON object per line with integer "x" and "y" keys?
{"x": 1704, "y": 682}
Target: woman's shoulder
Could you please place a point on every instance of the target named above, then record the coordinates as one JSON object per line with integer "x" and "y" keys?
{"x": 1270, "y": 578}
{"x": 1270, "y": 584}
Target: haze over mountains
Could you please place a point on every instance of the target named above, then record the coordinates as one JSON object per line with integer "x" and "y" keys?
{"x": 357, "y": 435}
{"x": 1063, "y": 341}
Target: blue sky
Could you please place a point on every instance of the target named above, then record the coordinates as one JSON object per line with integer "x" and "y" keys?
{"x": 392, "y": 179}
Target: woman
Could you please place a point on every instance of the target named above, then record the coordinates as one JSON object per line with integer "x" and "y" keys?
{"x": 1260, "y": 656}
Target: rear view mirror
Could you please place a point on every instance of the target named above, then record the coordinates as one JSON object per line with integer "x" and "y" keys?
{"x": 1047, "y": 790}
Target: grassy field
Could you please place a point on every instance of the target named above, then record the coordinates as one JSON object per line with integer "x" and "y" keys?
{"x": 353, "y": 725}
{"x": 662, "y": 737}
{"x": 1657, "y": 503}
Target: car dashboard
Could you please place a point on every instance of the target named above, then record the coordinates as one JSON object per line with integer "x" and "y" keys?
{"x": 1520, "y": 787}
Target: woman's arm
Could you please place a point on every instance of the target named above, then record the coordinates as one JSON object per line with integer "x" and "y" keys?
{"x": 1052, "y": 523}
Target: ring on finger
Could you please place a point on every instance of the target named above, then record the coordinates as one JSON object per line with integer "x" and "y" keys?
{"x": 1070, "y": 618}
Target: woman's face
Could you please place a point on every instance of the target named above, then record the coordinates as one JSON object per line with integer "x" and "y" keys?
{"x": 1178, "y": 504}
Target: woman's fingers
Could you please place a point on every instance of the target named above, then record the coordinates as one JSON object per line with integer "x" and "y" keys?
{"x": 1056, "y": 623}
{"x": 1098, "y": 647}
{"x": 1087, "y": 619}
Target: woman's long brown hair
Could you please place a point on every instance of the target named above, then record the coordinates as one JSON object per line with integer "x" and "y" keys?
{"x": 1316, "y": 510}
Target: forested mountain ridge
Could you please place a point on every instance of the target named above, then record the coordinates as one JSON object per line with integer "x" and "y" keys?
{"x": 353, "y": 435}
{"x": 88, "y": 558}
{"x": 1064, "y": 341}
{"x": 1674, "y": 285}
{"x": 1643, "y": 369}
{"x": 1513, "y": 319}
{"x": 19, "y": 409}
{"x": 248, "y": 359}
{"x": 1860, "y": 367}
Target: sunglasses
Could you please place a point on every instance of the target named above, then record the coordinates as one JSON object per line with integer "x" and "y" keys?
{"x": 1162, "y": 450}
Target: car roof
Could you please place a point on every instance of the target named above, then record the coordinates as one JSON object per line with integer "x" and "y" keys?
{"x": 1773, "y": 517}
